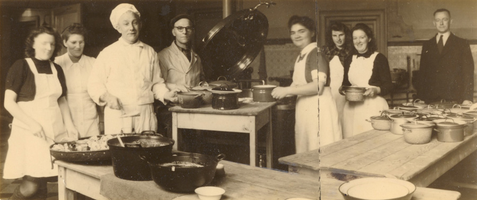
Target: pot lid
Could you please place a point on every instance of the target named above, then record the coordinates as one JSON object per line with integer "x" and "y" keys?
{"x": 264, "y": 86}
{"x": 219, "y": 91}
{"x": 233, "y": 43}
{"x": 403, "y": 116}
{"x": 416, "y": 125}
{"x": 382, "y": 117}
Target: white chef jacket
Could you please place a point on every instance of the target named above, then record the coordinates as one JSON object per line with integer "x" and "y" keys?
{"x": 177, "y": 69}
{"x": 128, "y": 72}
{"x": 82, "y": 108}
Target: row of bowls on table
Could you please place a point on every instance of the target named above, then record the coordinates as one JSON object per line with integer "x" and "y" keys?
{"x": 416, "y": 130}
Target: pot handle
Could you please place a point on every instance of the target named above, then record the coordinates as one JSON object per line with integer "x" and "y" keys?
{"x": 220, "y": 157}
{"x": 404, "y": 130}
{"x": 369, "y": 121}
{"x": 435, "y": 129}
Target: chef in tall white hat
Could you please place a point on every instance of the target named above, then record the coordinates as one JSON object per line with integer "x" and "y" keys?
{"x": 126, "y": 77}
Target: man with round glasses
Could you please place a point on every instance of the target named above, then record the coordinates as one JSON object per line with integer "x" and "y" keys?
{"x": 180, "y": 66}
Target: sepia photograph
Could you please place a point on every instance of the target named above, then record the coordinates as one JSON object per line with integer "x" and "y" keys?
{"x": 238, "y": 99}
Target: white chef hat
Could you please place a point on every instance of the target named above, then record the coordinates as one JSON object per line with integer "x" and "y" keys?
{"x": 120, "y": 10}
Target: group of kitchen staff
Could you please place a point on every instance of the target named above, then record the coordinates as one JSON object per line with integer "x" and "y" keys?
{"x": 350, "y": 58}
{"x": 125, "y": 78}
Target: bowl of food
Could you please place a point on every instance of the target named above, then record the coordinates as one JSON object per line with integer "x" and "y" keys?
{"x": 377, "y": 188}
{"x": 85, "y": 150}
{"x": 209, "y": 193}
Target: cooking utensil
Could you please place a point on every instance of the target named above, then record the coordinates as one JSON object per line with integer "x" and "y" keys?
{"x": 417, "y": 133}
{"x": 232, "y": 44}
{"x": 263, "y": 93}
{"x": 225, "y": 100}
{"x": 449, "y": 130}
{"x": 184, "y": 179}
{"x": 130, "y": 161}
{"x": 83, "y": 157}
{"x": 377, "y": 188}
{"x": 354, "y": 93}
{"x": 192, "y": 99}
{"x": 398, "y": 120}
{"x": 381, "y": 123}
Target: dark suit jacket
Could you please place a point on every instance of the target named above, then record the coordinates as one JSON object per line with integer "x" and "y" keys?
{"x": 449, "y": 75}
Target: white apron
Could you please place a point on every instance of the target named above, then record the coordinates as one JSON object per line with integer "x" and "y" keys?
{"x": 356, "y": 113}
{"x": 28, "y": 154}
{"x": 83, "y": 109}
{"x": 141, "y": 119}
{"x": 313, "y": 129}
{"x": 336, "y": 79}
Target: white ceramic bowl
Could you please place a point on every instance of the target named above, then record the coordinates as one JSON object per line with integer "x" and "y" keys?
{"x": 209, "y": 193}
{"x": 377, "y": 188}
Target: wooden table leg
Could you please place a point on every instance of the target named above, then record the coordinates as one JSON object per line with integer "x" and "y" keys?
{"x": 269, "y": 142}
{"x": 175, "y": 130}
{"x": 63, "y": 191}
{"x": 253, "y": 138}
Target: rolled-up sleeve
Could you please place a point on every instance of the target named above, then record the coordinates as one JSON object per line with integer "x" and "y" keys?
{"x": 97, "y": 79}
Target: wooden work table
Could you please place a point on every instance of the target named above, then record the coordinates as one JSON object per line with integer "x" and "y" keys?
{"x": 248, "y": 118}
{"x": 382, "y": 154}
{"x": 241, "y": 182}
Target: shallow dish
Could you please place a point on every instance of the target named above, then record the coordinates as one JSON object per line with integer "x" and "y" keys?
{"x": 377, "y": 188}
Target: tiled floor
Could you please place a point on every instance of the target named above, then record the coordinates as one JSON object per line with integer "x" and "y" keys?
{"x": 462, "y": 178}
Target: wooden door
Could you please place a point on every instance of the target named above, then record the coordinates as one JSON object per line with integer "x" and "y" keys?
{"x": 373, "y": 18}
{"x": 64, "y": 16}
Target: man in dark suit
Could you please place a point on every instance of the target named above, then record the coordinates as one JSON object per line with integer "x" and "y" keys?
{"x": 447, "y": 67}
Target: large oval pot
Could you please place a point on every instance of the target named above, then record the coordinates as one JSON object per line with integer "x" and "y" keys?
{"x": 398, "y": 120}
{"x": 192, "y": 99}
{"x": 354, "y": 93}
{"x": 130, "y": 161}
{"x": 417, "y": 133}
{"x": 263, "y": 93}
{"x": 172, "y": 176}
{"x": 450, "y": 131}
{"x": 225, "y": 100}
{"x": 380, "y": 123}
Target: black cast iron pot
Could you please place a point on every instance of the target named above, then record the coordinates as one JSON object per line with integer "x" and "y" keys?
{"x": 130, "y": 161}
{"x": 225, "y": 99}
{"x": 184, "y": 179}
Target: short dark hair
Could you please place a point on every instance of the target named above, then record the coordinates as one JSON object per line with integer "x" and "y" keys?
{"x": 442, "y": 10}
{"x": 30, "y": 52}
{"x": 304, "y": 21}
{"x": 372, "y": 47}
{"x": 338, "y": 26}
{"x": 179, "y": 17}
{"x": 75, "y": 28}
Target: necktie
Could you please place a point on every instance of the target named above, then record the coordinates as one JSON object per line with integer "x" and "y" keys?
{"x": 440, "y": 44}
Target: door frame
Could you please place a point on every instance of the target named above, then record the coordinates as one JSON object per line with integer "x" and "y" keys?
{"x": 326, "y": 16}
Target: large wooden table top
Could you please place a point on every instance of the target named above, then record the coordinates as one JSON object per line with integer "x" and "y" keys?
{"x": 384, "y": 154}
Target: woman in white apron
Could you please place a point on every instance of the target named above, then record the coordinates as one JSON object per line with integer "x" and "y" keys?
{"x": 311, "y": 85}
{"x": 338, "y": 48}
{"x": 126, "y": 77}
{"x": 35, "y": 97}
{"x": 370, "y": 69}
{"x": 77, "y": 68}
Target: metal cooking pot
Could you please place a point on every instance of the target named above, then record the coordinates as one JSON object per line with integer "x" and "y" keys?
{"x": 381, "y": 123}
{"x": 450, "y": 130}
{"x": 130, "y": 161}
{"x": 184, "y": 178}
{"x": 263, "y": 93}
{"x": 190, "y": 99}
{"x": 417, "y": 133}
{"x": 398, "y": 120}
{"x": 353, "y": 93}
{"x": 225, "y": 100}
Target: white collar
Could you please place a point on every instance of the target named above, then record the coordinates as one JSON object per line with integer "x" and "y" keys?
{"x": 308, "y": 48}
{"x": 125, "y": 43}
{"x": 445, "y": 36}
